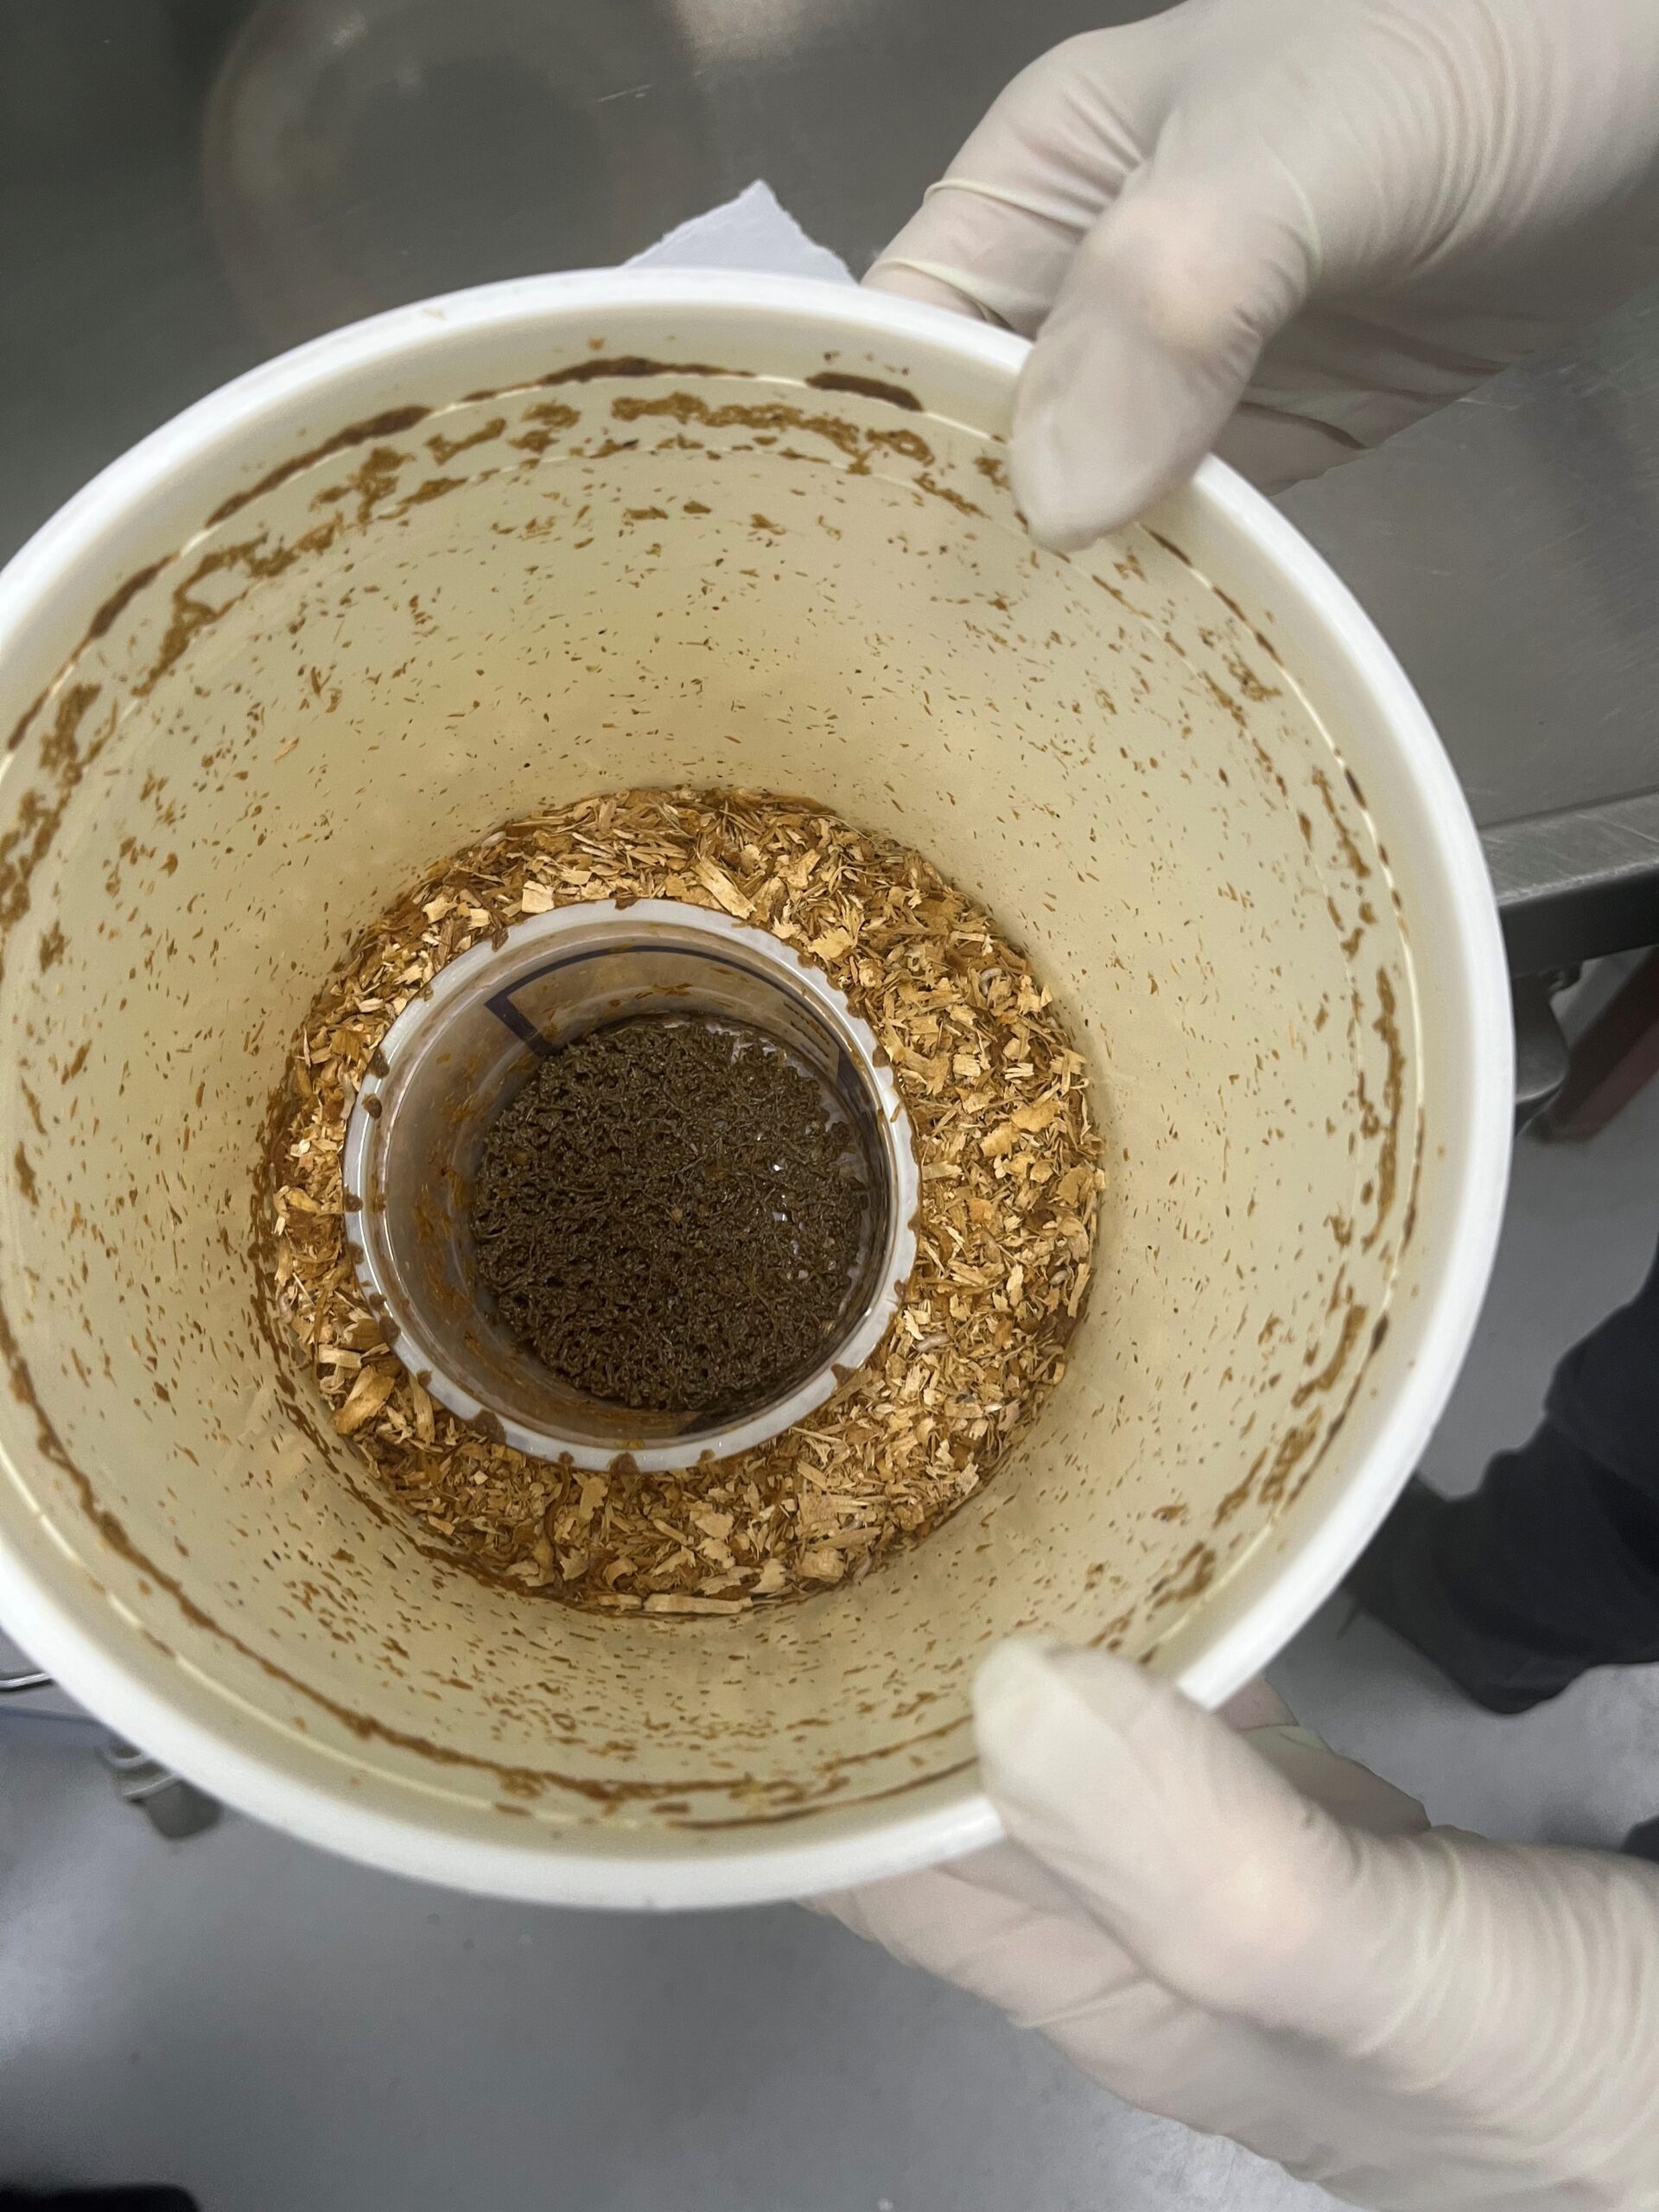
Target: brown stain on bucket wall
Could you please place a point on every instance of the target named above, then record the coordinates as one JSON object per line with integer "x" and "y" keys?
{"x": 895, "y": 395}
{"x": 64, "y": 760}
{"x": 256, "y": 560}
{"x": 20, "y": 728}
{"x": 1387, "y": 1027}
{"x": 633, "y": 364}
{"x": 391, "y": 424}
{"x": 1318, "y": 1386}
{"x": 118, "y": 601}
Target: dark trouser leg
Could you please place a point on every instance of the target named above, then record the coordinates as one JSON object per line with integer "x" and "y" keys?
{"x": 1552, "y": 1566}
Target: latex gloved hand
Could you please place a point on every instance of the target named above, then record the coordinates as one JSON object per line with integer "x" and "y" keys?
{"x": 1285, "y": 228}
{"x": 1416, "y": 2019}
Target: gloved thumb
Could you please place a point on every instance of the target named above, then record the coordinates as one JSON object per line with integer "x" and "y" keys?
{"x": 1156, "y": 329}
{"x": 1214, "y": 1873}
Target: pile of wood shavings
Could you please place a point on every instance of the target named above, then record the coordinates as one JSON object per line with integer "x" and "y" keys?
{"x": 1008, "y": 1158}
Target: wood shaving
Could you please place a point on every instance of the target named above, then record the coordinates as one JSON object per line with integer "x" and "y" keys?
{"x": 1010, "y": 1177}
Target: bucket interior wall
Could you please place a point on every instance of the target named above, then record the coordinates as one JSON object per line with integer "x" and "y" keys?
{"x": 472, "y": 609}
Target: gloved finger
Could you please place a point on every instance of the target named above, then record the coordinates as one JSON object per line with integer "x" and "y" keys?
{"x": 1348, "y": 1791}
{"x": 1000, "y": 228}
{"x": 1210, "y": 1868}
{"x": 961, "y": 1922}
{"x": 1006, "y": 1870}
{"x": 1258, "y": 1705}
{"x": 999, "y": 256}
{"x": 936, "y": 292}
{"x": 1160, "y": 320}
{"x": 1274, "y": 449}
{"x": 1055, "y": 1971}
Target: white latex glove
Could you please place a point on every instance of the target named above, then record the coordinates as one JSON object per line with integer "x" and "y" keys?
{"x": 1287, "y": 228}
{"x": 1416, "y": 2019}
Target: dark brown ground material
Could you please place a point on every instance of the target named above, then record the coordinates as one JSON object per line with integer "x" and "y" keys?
{"x": 670, "y": 1216}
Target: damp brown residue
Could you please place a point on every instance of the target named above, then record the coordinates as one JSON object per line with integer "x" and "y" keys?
{"x": 1387, "y": 1027}
{"x": 1291, "y": 1450}
{"x": 392, "y": 424}
{"x": 1240, "y": 616}
{"x": 804, "y": 1811}
{"x": 26, "y": 1182}
{"x": 909, "y": 445}
{"x": 634, "y": 365}
{"x": 629, "y": 364}
{"x": 258, "y": 560}
{"x": 443, "y": 450}
{"x": 1320, "y": 1385}
{"x": 52, "y": 946}
{"x": 993, "y": 469}
{"x": 1224, "y": 698}
{"x": 120, "y": 599}
{"x": 1169, "y": 546}
{"x": 1339, "y": 1421}
{"x": 928, "y": 483}
{"x": 548, "y": 419}
{"x": 20, "y": 728}
{"x": 64, "y": 760}
{"x": 1192, "y": 1577}
{"x": 1416, "y": 1179}
{"x": 1248, "y": 681}
{"x": 1358, "y": 866}
{"x": 896, "y": 395}
{"x": 836, "y": 1776}
{"x": 774, "y": 417}
{"x": 435, "y": 488}
{"x": 1240, "y": 1495}
{"x": 373, "y": 480}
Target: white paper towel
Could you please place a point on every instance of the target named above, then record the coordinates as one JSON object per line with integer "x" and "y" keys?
{"x": 754, "y": 231}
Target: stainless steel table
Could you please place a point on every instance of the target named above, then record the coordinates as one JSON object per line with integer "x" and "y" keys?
{"x": 187, "y": 186}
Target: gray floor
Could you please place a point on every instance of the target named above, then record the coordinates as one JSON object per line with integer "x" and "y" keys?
{"x": 283, "y": 2033}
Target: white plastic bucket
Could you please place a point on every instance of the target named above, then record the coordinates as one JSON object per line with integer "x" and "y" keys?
{"x": 492, "y": 552}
